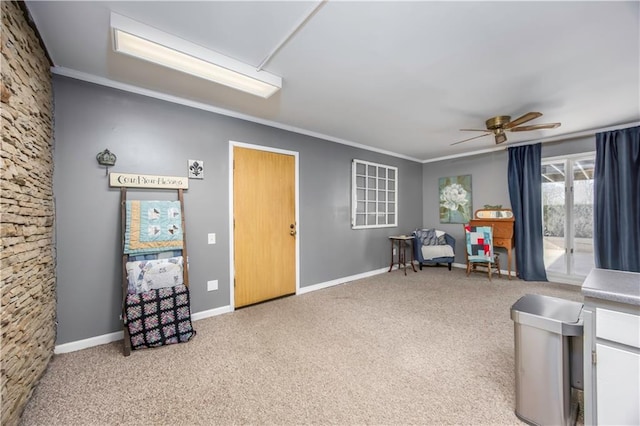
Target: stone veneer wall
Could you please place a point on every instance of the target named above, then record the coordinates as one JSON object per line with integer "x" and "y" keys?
{"x": 28, "y": 288}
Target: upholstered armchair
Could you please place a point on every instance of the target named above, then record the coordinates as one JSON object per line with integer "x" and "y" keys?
{"x": 479, "y": 249}
{"x": 432, "y": 247}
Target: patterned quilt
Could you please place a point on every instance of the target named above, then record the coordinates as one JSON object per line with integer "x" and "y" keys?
{"x": 479, "y": 243}
{"x": 148, "y": 275}
{"x": 159, "y": 317}
{"x": 152, "y": 227}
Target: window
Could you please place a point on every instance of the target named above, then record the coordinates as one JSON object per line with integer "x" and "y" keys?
{"x": 374, "y": 199}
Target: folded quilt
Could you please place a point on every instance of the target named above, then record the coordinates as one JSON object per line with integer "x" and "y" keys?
{"x": 434, "y": 252}
{"x": 159, "y": 317}
{"x": 148, "y": 275}
{"x": 152, "y": 227}
{"x": 430, "y": 237}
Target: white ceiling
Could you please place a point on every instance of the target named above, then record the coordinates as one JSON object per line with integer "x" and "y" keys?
{"x": 399, "y": 77}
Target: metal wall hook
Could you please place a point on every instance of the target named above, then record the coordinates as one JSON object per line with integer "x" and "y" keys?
{"x": 106, "y": 158}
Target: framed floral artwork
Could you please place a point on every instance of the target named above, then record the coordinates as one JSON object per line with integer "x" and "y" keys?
{"x": 455, "y": 199}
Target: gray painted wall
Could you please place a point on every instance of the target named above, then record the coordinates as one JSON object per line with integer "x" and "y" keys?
{"x": 150, "y": 136}
{"x": 489, "y": 185}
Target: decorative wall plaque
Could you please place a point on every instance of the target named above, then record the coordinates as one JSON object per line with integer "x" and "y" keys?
{"x": 131, "y": 180}
{"x": 196, "y": 169}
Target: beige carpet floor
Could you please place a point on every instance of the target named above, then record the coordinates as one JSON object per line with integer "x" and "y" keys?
{"x": 432, "y": 348}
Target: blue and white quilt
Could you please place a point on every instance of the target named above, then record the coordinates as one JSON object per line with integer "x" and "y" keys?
{"x": 153, "y": 226}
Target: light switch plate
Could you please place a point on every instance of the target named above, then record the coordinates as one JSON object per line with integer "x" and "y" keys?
{"x": 211, "y": 238}
{"x": 212, "y": 285}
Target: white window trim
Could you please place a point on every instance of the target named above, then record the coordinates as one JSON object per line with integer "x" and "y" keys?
{"x": 387, "y": 190}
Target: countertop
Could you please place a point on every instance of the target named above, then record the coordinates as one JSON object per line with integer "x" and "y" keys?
{"x": 615, "y": 286}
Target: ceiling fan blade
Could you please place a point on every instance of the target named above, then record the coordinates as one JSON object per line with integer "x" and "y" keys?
{"x": 535, "y": 127}
{"x": 474, "y": 130}
{"x": 475, "y": 137}
{"x": 523, "y": 119}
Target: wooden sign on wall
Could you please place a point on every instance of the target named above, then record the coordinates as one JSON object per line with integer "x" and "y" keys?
{"x": 132, "y": 180}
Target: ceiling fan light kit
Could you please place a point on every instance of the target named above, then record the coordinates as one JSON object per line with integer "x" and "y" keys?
{"x": 147, "y": 43}
{"x": 500, "y": 136}
{"x": 502, "y": 123}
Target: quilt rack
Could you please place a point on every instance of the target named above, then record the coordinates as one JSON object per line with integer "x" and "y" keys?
{"x": 158, "y": 312}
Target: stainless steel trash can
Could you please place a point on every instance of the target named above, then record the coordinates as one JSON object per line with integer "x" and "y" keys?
{"x": 548, "y": 358}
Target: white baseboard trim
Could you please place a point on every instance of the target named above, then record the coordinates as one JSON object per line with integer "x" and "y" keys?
{"x": 88, "y": 343}
{"x": 326, "y": 284}
{"x": 119, "y": 335}
{"x": 211, "y": 313}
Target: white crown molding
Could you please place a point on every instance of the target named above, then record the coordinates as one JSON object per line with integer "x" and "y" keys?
{"x": 564, "y": 137}
{"x": 102, "y": 81}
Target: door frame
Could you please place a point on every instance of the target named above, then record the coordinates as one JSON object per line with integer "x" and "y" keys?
{"x": 232, "y": 272}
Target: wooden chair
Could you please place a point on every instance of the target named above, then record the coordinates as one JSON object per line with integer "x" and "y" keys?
{"x": 479, "y": 244}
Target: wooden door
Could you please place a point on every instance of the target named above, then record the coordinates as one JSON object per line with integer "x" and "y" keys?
{"x": 264, "y": 225}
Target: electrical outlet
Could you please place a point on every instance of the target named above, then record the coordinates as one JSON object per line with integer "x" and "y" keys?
{"x": 211, "y": 238}
{"x": 212, "y": 285}
{"x": 394, "y": 251}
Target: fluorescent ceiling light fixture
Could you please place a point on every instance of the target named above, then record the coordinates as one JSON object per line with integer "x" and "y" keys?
{"x": 143, "y": 42}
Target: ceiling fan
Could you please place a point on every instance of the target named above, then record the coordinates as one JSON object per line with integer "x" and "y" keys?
{"x": 502, "y": 123}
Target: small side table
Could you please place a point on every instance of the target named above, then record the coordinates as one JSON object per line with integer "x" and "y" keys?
{"x": 401, "y": 242}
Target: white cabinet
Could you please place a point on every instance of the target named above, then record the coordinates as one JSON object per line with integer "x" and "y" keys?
{"x": 612, "y": 348}
{"x": 617, "y": 378}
